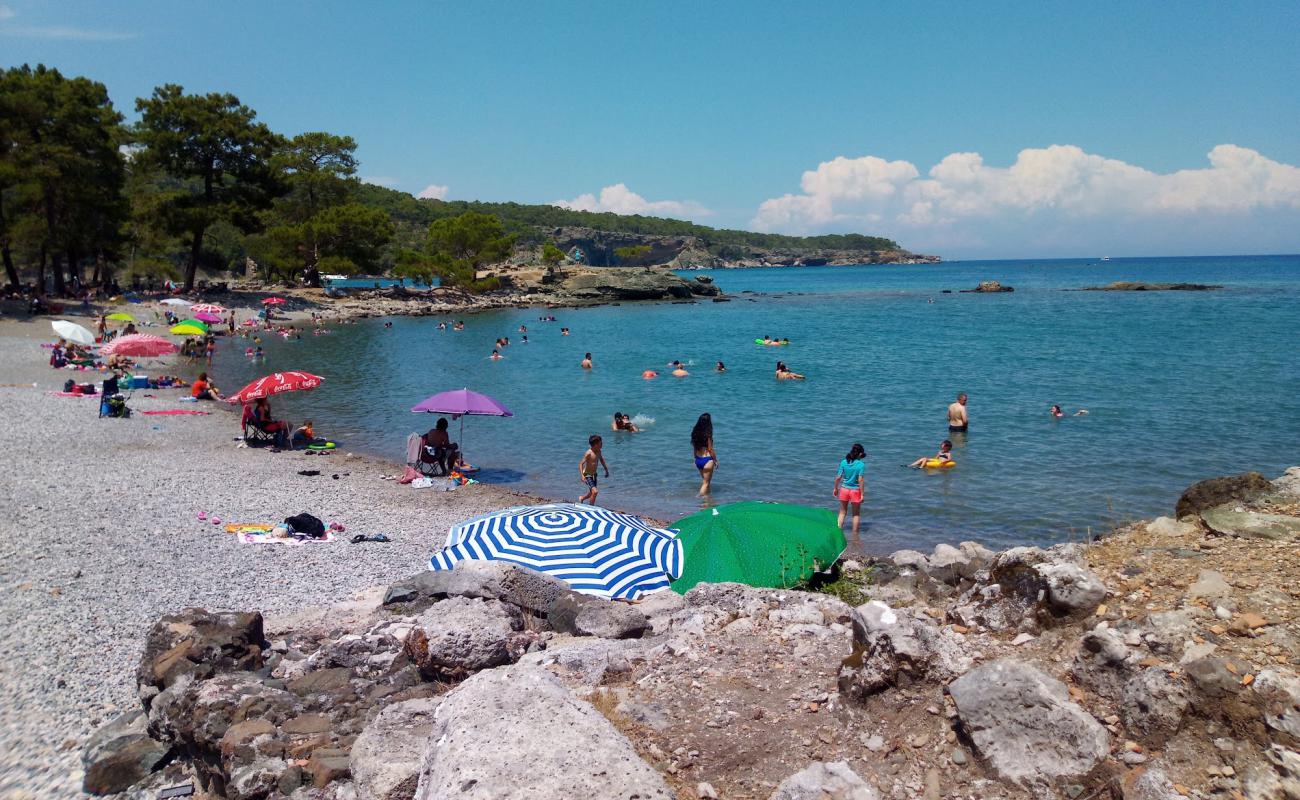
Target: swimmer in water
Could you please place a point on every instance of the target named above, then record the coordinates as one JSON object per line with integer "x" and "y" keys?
{"x": 1058, "y": 413}
{"x": 586, "y": 361}
{"x": 496, "y": 355}
{"x": 680, "y": 372}
{"x": 720, "y": 367}
{"x": 525, "y": 339}
{"x": 944, "y": 454}
{"x": 523, "y": 329}
{"x": 649, "y": 373}
{"x": 783, "y": 373}
{"x": 623, "y": 423}
{"x": 958, "y": 420}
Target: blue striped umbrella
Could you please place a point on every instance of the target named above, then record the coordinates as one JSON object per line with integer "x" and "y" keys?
{"x": 595, "y": 550}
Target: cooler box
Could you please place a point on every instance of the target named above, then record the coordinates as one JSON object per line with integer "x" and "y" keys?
{"x": 139, "y": 382}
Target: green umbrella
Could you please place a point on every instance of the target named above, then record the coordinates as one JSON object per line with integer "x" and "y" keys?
{"x": 189, "y": 327}
{"x": 759, "y": 544}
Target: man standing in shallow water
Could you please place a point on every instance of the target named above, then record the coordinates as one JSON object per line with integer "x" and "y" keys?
{"x": 957, "y": 419}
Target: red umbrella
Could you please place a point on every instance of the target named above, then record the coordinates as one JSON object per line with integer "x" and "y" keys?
{"x": 275, "y": 384}
{"x": 139, "y": 345}
{"x": 273, "y": 301}
{"x": 208, "y": 308}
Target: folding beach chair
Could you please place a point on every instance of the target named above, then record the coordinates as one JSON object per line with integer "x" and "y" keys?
{"x": 253, "y": 435}
{"x": 111, "y": 401}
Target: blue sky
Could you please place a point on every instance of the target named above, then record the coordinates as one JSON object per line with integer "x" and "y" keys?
{"x": 1176, "y": 126}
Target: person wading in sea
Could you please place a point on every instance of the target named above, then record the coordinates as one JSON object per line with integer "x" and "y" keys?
{"x": 958, "y": 421}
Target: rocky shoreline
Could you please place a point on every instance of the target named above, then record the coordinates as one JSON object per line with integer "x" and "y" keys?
{"x": 1154, "y": 664}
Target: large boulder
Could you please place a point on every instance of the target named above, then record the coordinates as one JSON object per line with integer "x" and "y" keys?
{"x": 1153, "y": 705}
{"x": 593, "y": 616}
{"x": 893, "y": 646}
{"x": 386, "y": 757}
{"x": 822, "y": 780}
{"x": 485, "y": 580}
{"x": 1227, "y": 521}
{"x": 1072, "y": 591}
{"x": 196, "y": 642}
{"x": 460, "y": 636}
{"x": 1104, "y": 662}
{"x": 518, "y": 732}
{"x": 121, "y": 754}
{"x": 1023, "y": 724}
{"x": 1216, "y": 491}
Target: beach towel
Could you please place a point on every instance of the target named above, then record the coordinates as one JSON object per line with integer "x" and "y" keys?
{"x": 252, "y": 537}
{"x": 413, "y": 443}
{"x": 249, "y": 527}
{"x": 73, "y": 394}
{"x": 171, "y": 412}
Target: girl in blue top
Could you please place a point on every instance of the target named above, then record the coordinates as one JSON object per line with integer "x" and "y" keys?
{"x": 851, "y": 485}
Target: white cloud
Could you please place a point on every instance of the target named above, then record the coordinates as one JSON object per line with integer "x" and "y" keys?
{"x": 619, "y": 199}
{"x": 961, "y": 198}
{"x": 434, "y": 192}
{"x": 381, "y": 180}
{"x": 55, "y": 31}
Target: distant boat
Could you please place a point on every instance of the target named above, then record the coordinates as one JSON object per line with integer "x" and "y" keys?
{"x": 334, "y": 277}
{"x": 1105, "y": 258}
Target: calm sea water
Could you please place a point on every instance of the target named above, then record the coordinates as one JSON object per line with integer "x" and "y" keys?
{"x": 1180, "y": 386}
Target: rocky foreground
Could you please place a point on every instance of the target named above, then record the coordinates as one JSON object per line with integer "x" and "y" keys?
{"x": 1154, "y": 664}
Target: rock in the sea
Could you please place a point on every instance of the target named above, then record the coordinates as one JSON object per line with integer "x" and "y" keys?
{"x": 1216, "y": 491}
{"x": 592, "y": 616}
{"x": 196, "y": 642}
{"x": 518, "y": 732}
{"x": 1227, "y": 521}
{"x": 462, "y": 635}
{"x": 894, "y": 645}
{"x": 822, "y": 780}
{"x": 1024, "y": 725}
{"x": 988, "y": 287}
{"x": 121, "y": 754}
{"x": 386, "y": 757}
{"x": 1153, "y": 705}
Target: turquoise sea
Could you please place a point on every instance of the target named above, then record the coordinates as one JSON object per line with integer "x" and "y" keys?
{"x": 1180, "y": 386}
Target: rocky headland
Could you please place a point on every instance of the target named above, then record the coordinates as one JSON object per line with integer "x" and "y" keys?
{"x": 1154, "y": 664}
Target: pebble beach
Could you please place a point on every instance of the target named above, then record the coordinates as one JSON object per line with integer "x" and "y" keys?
{"x": 99, "y": 536}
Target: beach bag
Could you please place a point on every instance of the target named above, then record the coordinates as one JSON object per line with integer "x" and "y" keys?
{"x": 67, "y": 386}
{"x": 307, "y": 524}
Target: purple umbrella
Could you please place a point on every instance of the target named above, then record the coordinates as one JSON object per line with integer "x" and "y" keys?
{"x": 204, "y": 316}
{"x": 460, "y": 402}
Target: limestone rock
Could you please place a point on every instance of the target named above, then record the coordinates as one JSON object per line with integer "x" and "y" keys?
{"x": 1072, "y": 591}
{"x": 485, "y": 580}
{"x": 386, "y": 757}
{"x": 196, "y": 642}
{"x": 120, "y": 754}
{"x": 1280, "y": 694}
{"x": 1227, "y": 521}
{"x": 949, "y": 564}
{"x": 1216, "y": 491}
{"x": 1024, "y": 725}
{"x": 1167, "y": 526}
{"x": 823, "y": 780}
{"x": 517, "y": 732}
{"x": 909, "y": 559}
{"x": 1209, "y": 583}
{"x": 1104, "y": 663}
{"x": 594, "y": 616}
{"x": 1149, "y": 784}
{"x": 460, "y": 636}
{"x": 1153, "y": 706}
{"x": 1212, "y": 677}
{"x": 892, "y": 645}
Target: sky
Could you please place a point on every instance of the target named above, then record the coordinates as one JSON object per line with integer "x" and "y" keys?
{"x": 968, "y": 130}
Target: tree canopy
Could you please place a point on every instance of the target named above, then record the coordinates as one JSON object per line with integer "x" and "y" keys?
{"x": 459, "y": 246}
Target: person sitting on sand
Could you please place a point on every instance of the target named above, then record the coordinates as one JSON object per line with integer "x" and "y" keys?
{"x": 202, "y": 390}
{"x": 944, "y": 454}
{"x": 586, "y": 361}
{"x": 445, "y": 451}
{"x": 623, "y": 423}
{"x": 303, "y": 435}
{"x": 587, "y": 469}
{"x": 264, "y": 421}
{"x": 58, "y": 356}
{"x": 783, "y": 373}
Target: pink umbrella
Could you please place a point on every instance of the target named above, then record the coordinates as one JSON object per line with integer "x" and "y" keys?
{"x": 248, "y": 323}
{"x": 273, "y": 301}
{"x": 277, "y": 383}
{"x": 139, "y": 345}
{"x": 204, "y": 316}
{"x": 460, "y": 402}
{"x": 207, "y": 308}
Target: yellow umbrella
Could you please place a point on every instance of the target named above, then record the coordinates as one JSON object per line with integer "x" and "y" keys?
{"x": 121, "y": 316}
{"x": 187, "y": 329}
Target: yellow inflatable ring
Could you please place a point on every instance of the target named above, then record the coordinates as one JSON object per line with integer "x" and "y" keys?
{"x": 934, "y": 463}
